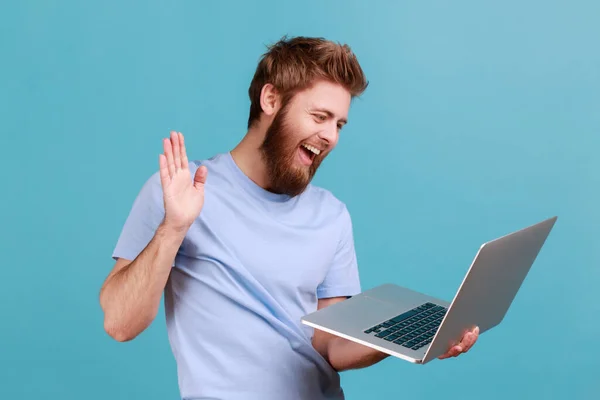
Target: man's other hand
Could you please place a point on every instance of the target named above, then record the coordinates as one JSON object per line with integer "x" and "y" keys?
{"x": 467, "y": 341}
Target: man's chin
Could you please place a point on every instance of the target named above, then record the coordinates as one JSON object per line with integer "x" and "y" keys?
{"x": 292, "y": 177}
{"x": 294, "y": 183}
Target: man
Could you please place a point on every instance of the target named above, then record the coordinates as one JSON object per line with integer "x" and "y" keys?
{"x": 243, "y": 245}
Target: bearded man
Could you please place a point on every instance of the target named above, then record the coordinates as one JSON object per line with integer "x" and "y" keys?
{"x": 243, "y": 245}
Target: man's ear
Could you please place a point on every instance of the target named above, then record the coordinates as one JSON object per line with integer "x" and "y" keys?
{"x": 270, "y": 100}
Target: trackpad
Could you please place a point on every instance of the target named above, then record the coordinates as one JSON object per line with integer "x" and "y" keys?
{"x": 399, "y": 296}
{"x": 361, "y": 309}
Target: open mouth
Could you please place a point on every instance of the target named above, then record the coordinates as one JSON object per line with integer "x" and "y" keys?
{"x": 310, "y": 151}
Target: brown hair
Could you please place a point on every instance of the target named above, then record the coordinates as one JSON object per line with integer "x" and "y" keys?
{"x": 292, "y": 65}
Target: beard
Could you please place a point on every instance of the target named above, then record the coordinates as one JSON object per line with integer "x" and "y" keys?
{"x": 279, "y": 152}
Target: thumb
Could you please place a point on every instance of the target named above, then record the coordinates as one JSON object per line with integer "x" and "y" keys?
{"x": 200, "y": 177}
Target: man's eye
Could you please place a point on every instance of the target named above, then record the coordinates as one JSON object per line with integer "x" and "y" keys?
{"x": 321, "y": 117}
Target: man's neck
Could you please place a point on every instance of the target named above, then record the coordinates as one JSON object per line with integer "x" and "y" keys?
{"x": 248, "y": 158}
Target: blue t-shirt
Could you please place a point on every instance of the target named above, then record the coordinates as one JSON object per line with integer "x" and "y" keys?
{"x": 251, "y": 265}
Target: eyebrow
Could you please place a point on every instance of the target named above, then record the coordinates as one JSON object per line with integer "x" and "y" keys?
{"x": 329, "y": 113}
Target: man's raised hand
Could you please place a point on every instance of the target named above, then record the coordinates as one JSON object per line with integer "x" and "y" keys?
{"x": 183, "y": 197}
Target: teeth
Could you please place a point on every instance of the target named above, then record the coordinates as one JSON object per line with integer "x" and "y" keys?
{"x": 313, "y": 149}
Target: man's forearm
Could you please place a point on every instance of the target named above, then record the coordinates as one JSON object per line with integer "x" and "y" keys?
{"x": 130, "y": 297}
{"x": 344, "y": 354}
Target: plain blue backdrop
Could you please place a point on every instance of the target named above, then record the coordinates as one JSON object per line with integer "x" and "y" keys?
{"x": 481, "y": 118}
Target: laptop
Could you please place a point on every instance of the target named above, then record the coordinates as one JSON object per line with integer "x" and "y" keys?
{"x": 418, "y": 328}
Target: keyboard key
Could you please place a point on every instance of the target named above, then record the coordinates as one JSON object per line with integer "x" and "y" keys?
{"x": 404, "y": 316}
{"x": 401, "y": 340}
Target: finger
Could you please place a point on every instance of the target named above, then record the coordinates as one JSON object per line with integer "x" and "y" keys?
{"x": 164, "y": 170}
{"x": 468, "y": 341}
{"x": 169, "y": 156}
{"x": 200, "y": 177}
{"x": 184, "y": 158}
{"x": 475, "y": 334}
{"x": 452, "y": 352}
{"x": 470, "y": 338}
{"x": 456, "y": 350}
{"x": 176, "y": 150}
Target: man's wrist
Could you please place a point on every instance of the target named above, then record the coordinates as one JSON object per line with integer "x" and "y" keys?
{"x": 171, "y": 233}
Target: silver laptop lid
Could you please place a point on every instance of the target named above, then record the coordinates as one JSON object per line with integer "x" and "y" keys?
{"x": 491, "y": 284}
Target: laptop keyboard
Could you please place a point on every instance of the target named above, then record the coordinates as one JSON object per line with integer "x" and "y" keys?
{"x": 412, "y": 329}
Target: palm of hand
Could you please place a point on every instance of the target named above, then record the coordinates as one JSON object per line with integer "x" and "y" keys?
{"x": 183, "y": 197}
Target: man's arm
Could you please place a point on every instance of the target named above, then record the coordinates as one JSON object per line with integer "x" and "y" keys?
{"x": 343, "y": 354}
{"x": 152, "y": 235}
{"x": 130, "y": 295}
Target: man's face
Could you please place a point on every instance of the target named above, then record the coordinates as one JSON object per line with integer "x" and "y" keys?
{"x": 302, "y": 134}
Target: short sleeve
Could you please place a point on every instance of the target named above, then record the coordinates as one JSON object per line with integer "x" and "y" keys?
{"x": 146, "y": 214}
{"x": 342, "y": 278}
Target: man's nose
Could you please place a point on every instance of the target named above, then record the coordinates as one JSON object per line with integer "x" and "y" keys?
{"x": 329, "y": 134}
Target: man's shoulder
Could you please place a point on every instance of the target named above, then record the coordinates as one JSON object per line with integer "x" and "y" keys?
{"x": 325, "y": 198}
{"x": 213, "y": 161}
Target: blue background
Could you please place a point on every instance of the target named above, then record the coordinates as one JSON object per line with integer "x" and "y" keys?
{"x": 480, "y": 118}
